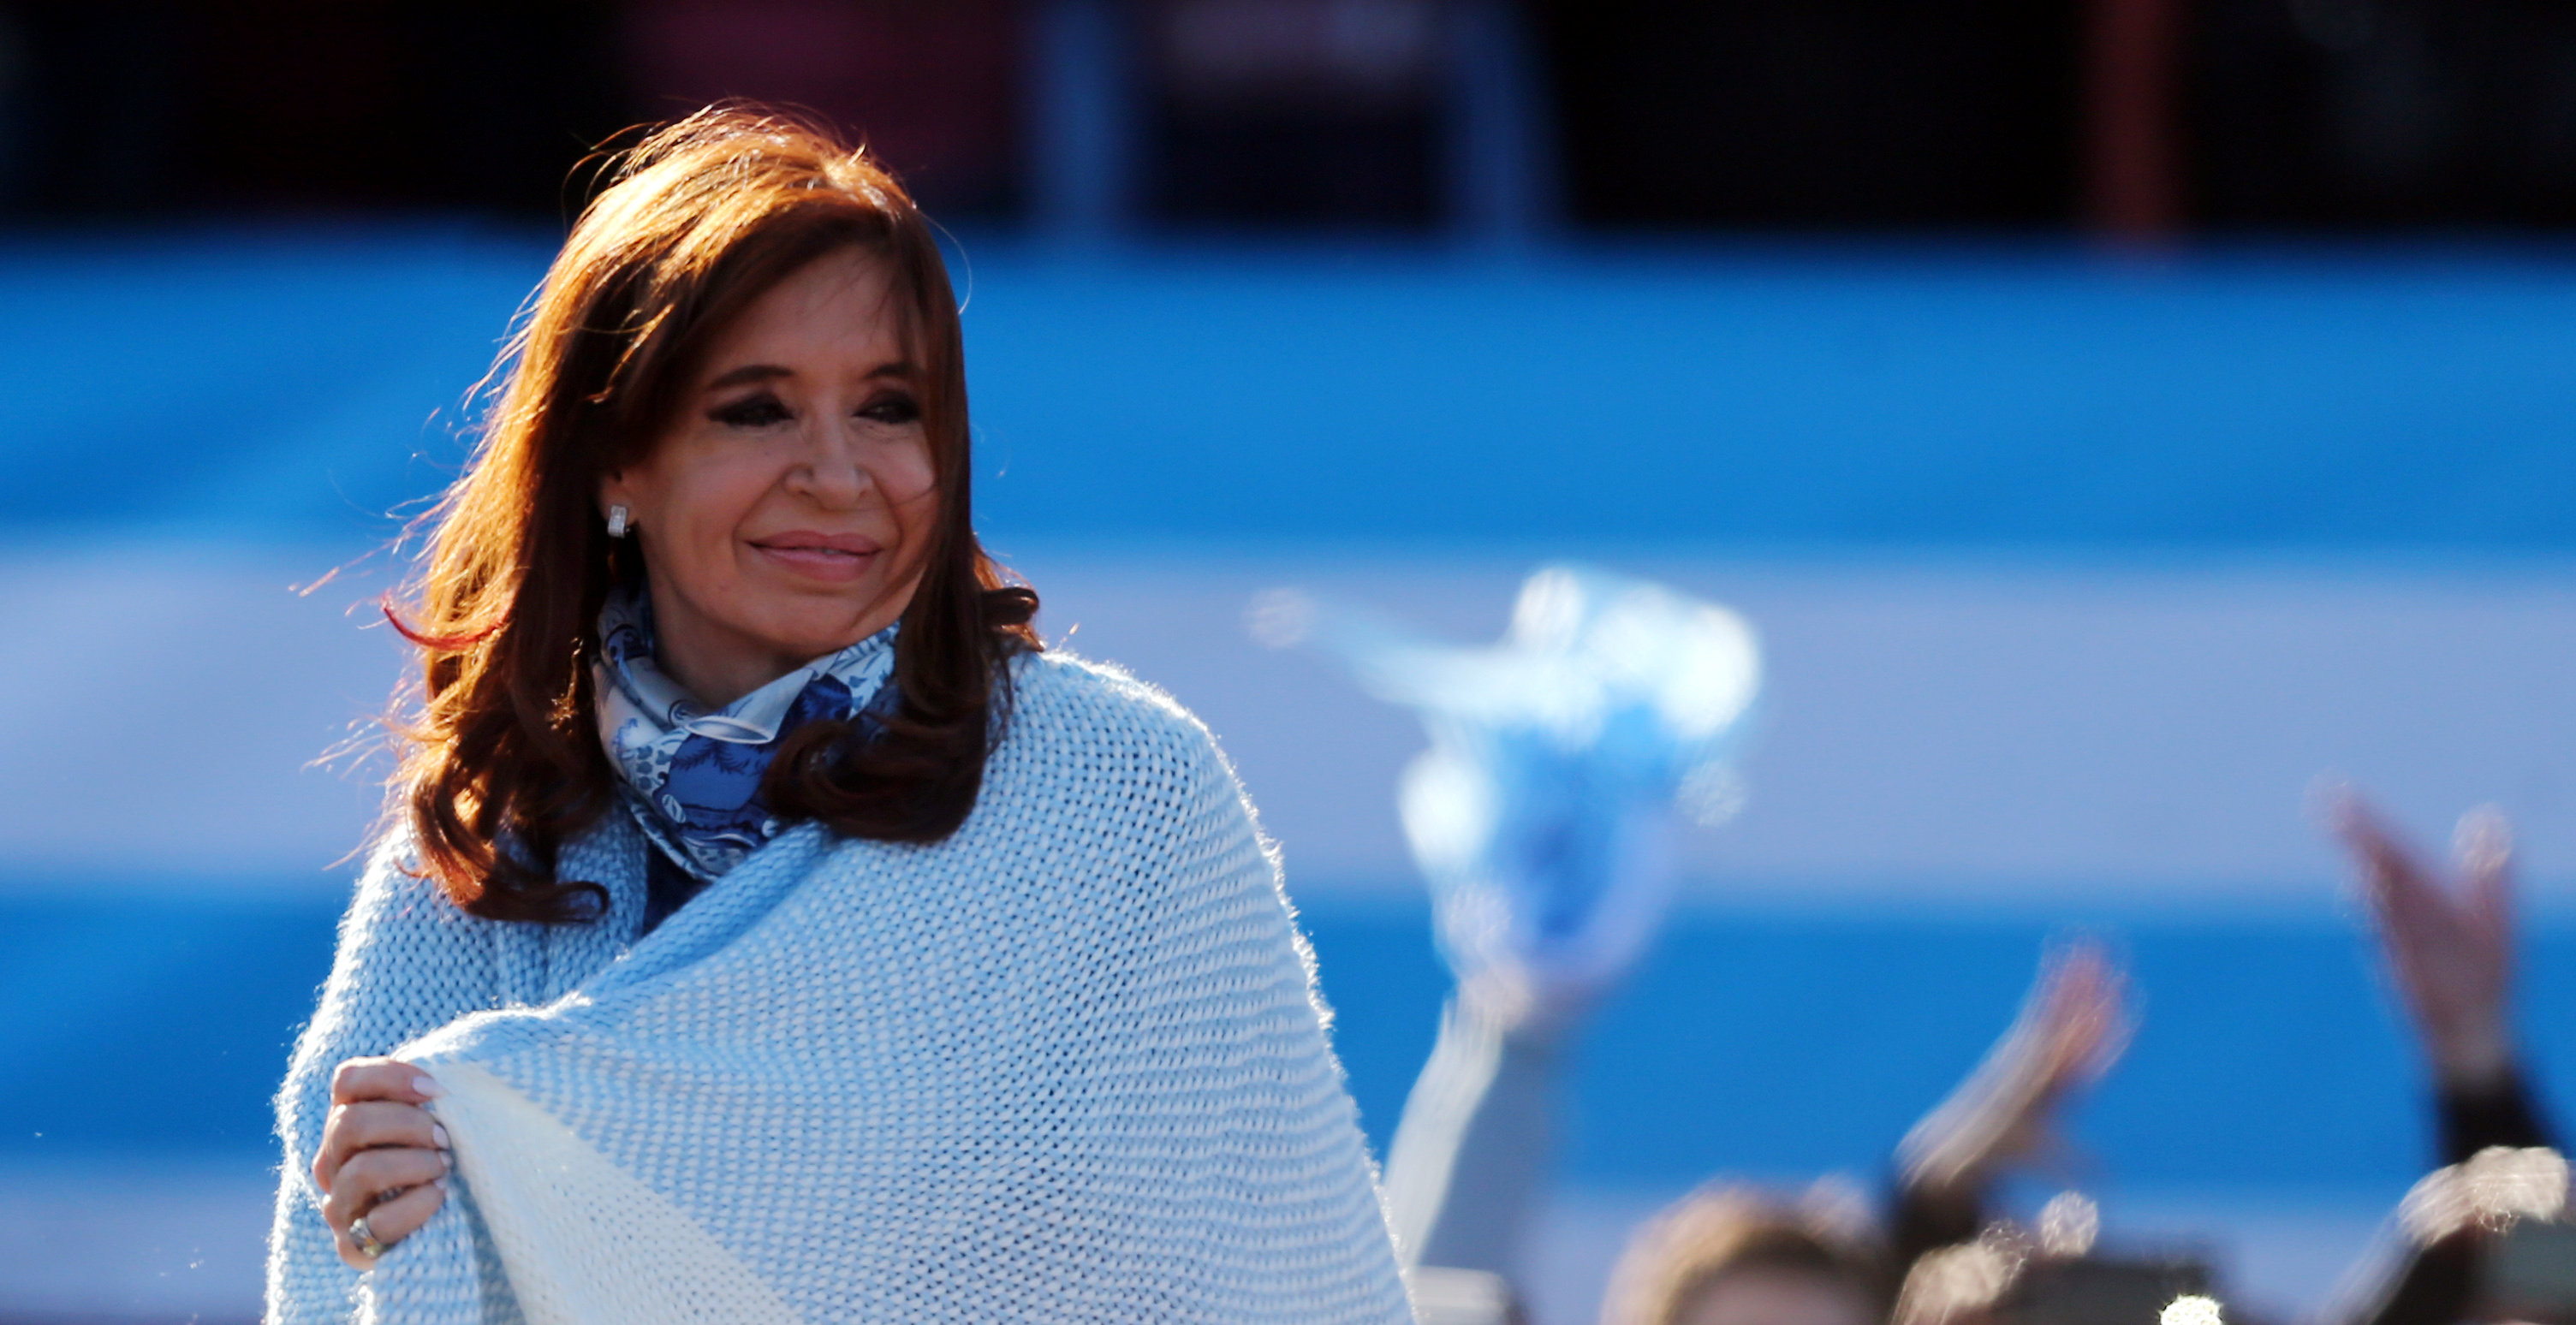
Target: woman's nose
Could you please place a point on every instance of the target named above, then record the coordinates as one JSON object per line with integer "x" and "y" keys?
{"x": 830, "y": 472}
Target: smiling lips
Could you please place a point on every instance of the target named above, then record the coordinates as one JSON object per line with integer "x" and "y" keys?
{"x": 834, "y": 557}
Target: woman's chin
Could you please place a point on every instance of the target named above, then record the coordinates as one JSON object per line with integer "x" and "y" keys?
{"x": 809, "y": 625}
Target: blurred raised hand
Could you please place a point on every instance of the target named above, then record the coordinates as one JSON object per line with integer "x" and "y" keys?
{"x": 2074, "y": 1024}
{"x": 1542, "y": 813}
{"x": 2448, "y": 943}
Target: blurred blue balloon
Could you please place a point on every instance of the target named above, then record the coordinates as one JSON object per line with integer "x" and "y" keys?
{"x": 1560, "y": 757}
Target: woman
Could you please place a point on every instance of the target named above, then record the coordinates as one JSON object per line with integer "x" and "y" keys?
{"x": 771, "y": 930}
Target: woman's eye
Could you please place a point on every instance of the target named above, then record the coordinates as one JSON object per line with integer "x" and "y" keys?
{"x": 753, "y": 412}
{"x": 891, "y": 409}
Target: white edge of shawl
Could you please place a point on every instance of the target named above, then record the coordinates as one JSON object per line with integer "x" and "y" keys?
{"x": 585, "y": 1242}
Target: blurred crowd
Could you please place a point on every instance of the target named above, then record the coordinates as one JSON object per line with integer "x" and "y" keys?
{"x": 1559, "y": 759}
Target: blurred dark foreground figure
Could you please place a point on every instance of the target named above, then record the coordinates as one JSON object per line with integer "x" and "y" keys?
{"x": 2486, "y": 1232}
{"x": 1730, "y": 1254}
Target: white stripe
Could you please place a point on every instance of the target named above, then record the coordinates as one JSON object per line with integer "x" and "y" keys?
{"x": 1932, "y": 732}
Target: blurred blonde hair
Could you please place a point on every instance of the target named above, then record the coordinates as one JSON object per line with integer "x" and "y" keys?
{"x": 1726, "y": 1227}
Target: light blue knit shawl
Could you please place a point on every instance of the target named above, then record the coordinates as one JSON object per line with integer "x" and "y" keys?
{"x": 1067, "y": 1065}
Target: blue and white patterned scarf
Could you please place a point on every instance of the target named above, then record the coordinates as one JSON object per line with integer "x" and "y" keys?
{"x": 696, "y": 775}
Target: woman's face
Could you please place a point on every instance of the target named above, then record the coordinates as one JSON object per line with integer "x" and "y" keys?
{"x": 786, "y": 509}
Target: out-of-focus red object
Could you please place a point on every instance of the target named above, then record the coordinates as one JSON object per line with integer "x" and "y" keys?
{"x": 2134, "y": 157}
{"x": 933, "y": 89}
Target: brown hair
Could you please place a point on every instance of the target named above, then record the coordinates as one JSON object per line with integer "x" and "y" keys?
{"x": 1727, "y": 1228}
{"x": 503, "y": 762}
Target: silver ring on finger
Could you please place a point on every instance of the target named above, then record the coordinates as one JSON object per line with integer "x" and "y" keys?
{"x": 365, "y": 1238}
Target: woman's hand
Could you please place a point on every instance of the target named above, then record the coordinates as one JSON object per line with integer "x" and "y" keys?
{"x": 382, "y": 1155}
{"x": 2450, "y": 947}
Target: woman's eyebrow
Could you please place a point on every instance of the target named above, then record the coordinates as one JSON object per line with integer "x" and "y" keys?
{"x": 748, "y": 373}
{"x": 902, "y": 369}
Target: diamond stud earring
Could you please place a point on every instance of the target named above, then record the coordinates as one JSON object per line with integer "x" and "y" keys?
{"x": 617, "y": 522}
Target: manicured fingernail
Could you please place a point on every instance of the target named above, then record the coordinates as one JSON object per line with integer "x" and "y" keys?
{"x": 439, "y": 1182}
{"x": 438, "y": 1135}
{"x": 446, "y": 1161}
{"x": 423, "y": 1086}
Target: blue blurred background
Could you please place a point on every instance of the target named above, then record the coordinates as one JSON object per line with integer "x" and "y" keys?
{"x": 2113, "y": 413}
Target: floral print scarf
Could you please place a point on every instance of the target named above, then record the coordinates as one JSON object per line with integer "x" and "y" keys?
{"x": 694, "y": 775}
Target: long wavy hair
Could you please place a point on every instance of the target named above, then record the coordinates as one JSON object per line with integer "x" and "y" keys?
{"x": 502, "y": 762}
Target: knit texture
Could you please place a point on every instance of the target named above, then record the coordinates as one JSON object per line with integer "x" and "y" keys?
{"x": 1067, "y": 1065}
